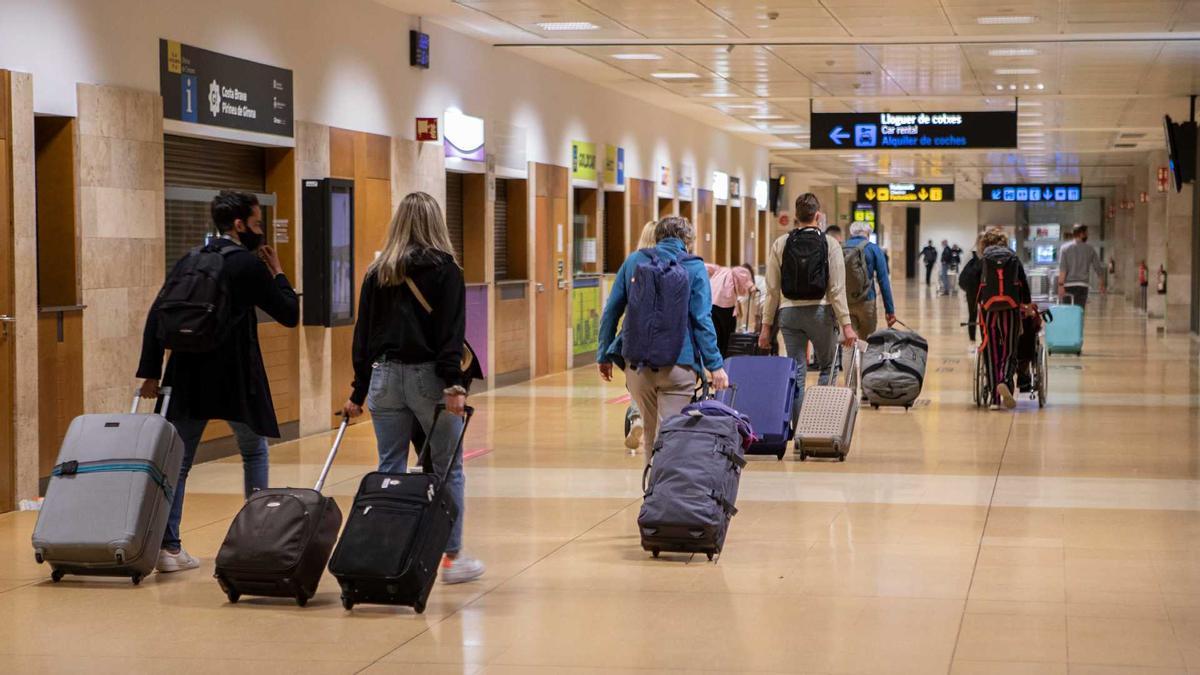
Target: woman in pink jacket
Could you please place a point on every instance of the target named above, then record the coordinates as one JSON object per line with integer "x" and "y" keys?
{"x": 728, "y": 284}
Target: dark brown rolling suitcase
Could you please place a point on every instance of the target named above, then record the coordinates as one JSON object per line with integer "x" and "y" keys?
{"x": 396, "y": 534}
{"x": 278, "y": 544}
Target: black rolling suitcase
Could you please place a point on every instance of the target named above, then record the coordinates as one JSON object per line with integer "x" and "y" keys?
{"x": 396, "y": 534}
{"x": 278, "y": 544}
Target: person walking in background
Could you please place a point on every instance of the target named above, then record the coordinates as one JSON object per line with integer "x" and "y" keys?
{"x": 947, "y": 259}
{"x": 1004, "y": 300}
{"x": 667, "y": 339}
{"x": 806, "y": 279}
{"x": 1077, "y": 260}
{"x": 229, "y": 382}
{"x": 866, "y": 267}
{"x": 968, "y": 281}
{"x": 929, "y": 255}
{"x": 728, "y": 285}
{"x": 408, "y": 347}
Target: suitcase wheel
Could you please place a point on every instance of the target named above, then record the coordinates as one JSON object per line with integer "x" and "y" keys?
{"x": 233, "y": 596}
{"x": 137, "y": 579}
{"x": 56, "y": 576}
{"x": 875, "y": 406}
{"x": 710, "y": 555}
{"x": 841, "y": 458}
{"x": 654, "y": 552}
{"x": 803, "y": 456}
{"x": 419, "y": 608}
{"x": 347, "y": 602}
{"x": 301, "y": 600}
{"x": 38, "y": 557}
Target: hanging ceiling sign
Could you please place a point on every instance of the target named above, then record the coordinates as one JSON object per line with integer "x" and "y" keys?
{"x": 914, "y": 130}
{"x": 205, "y": 87}
{"x": 463, "y": 136}
{"x": 905, "y": 192}
{"x": 1046, "y": 192}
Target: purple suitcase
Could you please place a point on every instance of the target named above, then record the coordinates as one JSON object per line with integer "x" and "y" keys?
{"x": 766, "y": 393}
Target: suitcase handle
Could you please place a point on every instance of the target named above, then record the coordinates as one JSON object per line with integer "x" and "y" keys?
{"x": 164, "y": 395}
{"x": 427, "y": 464}
{"x": 852, "y": 374}
{"x": 337, "y": 443}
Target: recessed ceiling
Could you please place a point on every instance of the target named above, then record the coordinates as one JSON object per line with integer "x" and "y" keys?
{"x": 1093, "y": 77}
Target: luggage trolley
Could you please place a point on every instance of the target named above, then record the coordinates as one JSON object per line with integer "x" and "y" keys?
{"x": 1039, "y": 373}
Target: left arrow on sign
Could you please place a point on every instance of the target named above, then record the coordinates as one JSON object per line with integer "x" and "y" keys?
{"x": 838, "y": 135}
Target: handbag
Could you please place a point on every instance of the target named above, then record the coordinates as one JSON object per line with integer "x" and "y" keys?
{"x": 469, "y": 365}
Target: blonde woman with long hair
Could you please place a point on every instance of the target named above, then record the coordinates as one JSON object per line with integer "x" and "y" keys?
{"x": 407, "y": 358}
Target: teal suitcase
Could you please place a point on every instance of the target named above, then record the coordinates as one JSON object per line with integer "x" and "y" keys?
{"x": 1064, "y": 333}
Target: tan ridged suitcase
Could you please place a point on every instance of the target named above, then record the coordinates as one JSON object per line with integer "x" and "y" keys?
{"x": 827, "y": 417}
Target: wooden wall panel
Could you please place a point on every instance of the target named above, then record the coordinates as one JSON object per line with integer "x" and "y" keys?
{"x": 475, "y": 206}
{"x": 518, "y": 229}
{"x": 512, "y": 335}
{"x": 737, "y": 233}
{"x": 7, "y": 305}
{"x": 615, "y": 231}
{"x": 720, "y": 246}
{"x": 704, "y": 217}
{"x": 643, "y": 208}
{"x": 57, "y": 212}
{"x": 552, "y": 303}
{"x": 60, "y": 394}
{"x": 280, "y": 345}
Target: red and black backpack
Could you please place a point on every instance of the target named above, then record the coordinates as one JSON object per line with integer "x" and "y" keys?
{"x": 1000, "y": 283}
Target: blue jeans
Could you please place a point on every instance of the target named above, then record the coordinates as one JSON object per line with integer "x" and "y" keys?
{"x": 255, "y": 465}
{"x": 799, "y": 326}
{"x": 944, "y": 278}
{"x": 400, "y": 394}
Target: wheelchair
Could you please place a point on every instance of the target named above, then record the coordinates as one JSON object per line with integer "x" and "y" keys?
{"x": 1039, "y": 371}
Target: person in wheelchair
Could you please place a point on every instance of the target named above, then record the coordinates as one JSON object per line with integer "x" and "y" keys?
{"x": 1008, "y": 319}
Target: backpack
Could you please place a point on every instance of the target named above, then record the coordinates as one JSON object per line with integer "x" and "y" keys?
{"x": 999, "y": 285}
{"x": 858, "y": 278}
{"x": 656, "y": 316}
{"x": 804, "y": 270}
{"x": 194, "y": 305}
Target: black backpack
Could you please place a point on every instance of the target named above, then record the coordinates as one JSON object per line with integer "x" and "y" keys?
{"x": 194, "y": 307}
{"x": 805, "y": 268}
{"x": 1000, "y": 283}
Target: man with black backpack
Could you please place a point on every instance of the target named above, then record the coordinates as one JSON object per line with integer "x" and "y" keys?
{"x": 667, "y": 339}
{"x": 929, "y": 256}
{"x": 206, "y": 316}
{"x": 807, "y": 268}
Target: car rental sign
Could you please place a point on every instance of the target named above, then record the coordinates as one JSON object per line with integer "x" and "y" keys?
{"x": 205, "y": 87}
{"x": 914, "y": 130}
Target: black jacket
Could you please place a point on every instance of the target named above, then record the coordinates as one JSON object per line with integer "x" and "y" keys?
{"x": 968, "y": 278}
{"x": 929, "y": 254}
{"x": 229, "y": 383}
{"x": 392, "y": 325}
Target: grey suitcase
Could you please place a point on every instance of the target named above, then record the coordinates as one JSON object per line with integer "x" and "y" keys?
{"x": 827, "y": 417}
{"x": 109, "y": 495}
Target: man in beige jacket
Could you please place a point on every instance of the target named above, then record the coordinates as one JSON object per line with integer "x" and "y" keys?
{"x": 820, "y": 321}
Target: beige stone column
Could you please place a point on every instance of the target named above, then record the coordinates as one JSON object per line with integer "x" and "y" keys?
{"x": 1179, "y": 261}
{"x": 123, "y": 245}
{"x": 316, "y": 345}
{"x": 25, "y": 414}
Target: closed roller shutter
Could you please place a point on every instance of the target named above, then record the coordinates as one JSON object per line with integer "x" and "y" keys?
{"x": 454, "y": 211}
{"x": 208, "y": 165}
{"x": 501, "y": 219}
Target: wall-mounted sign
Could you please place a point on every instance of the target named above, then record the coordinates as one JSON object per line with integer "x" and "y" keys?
{"x": 686, "y": 183}
{"x": 418, "y": 49}
{"x": 464, "y": 136}
{"x": 762, "y": 194}
{"x": 905, "y": 192}
{"x": 665, "y": 185}
{"x": 614, "y": 165}
{"x": 720, "y": 185}
{"x": 583, "y": 160}
{"x": 1049, "y": 192}
{"x": 917, "y": 130}
{"x": 427, "y": 129}
{"x": 864, "y": 212}
{"x": 223, "y": 91}
{"x": 1164, "y": 176}
{"x": 735, "y": 187}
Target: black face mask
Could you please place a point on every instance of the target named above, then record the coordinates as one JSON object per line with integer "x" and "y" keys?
{"x": 250, "y": 239}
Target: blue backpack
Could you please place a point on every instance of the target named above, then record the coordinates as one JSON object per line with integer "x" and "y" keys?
{"x": 656, "y": 316}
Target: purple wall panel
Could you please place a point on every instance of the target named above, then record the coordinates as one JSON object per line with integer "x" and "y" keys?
{"x": 477, "y": 323}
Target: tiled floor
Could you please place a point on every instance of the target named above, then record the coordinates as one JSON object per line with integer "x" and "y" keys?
{"x": 953, "y": 540}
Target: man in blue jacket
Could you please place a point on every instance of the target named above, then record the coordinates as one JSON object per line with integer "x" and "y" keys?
{"x": 662, "y": 391}
{"x": 863, "y": 314}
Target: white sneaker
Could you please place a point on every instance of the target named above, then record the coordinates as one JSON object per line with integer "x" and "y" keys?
{"x": 175, "y": 562}
{"x": 1006, "y": 396}
{"x": 633, "y": 440}
{"x": 461, "y": 570}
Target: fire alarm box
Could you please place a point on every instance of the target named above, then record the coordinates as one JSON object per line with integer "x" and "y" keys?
{"x": 328, "y": 208}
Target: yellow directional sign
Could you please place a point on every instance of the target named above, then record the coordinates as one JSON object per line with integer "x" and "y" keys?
{"x": 870, "y": 193}
{"x": 923, "y": 194}
{"x": 905, "y": 192}
{"x": 935, "y": 194}
{"x": 883, "y": 194}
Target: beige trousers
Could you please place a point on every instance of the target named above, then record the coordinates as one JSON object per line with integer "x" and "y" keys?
{"x": 659, "y": 394}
